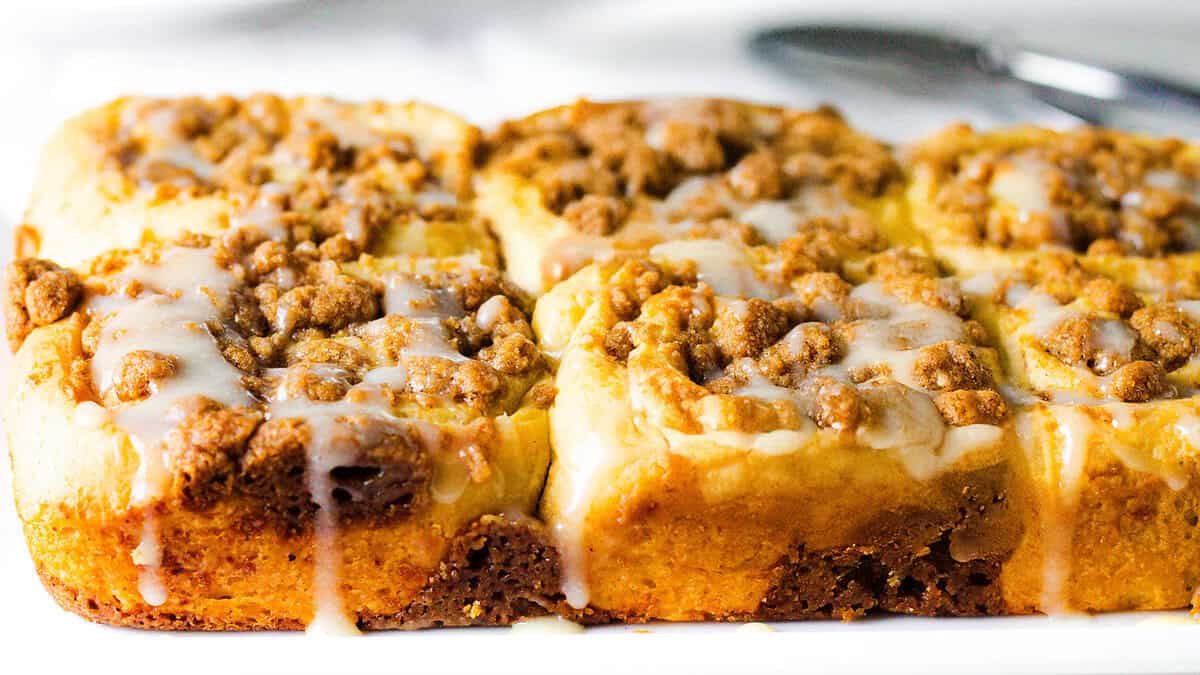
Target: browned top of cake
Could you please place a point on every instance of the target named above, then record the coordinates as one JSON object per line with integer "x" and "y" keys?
{"x": 1092, "y": 190}
{"x": 308, "y": 168}
{"x": 821, "y": 348}
{"x": 1123, "y": 342}
{"x": 599, "y": 164}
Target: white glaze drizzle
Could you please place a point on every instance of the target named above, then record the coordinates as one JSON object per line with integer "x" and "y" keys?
{"x": 1074, "y": 432}
{"x": 1124, "y": 418}
{"x": 756, "y": 627}
{"x": 547, "y": 625}
{"x": 908, "y": 424}
{"x": 436, "y": 197}
{"x": 779, "y": 220}
{"x": 1188, "y": 428}
{"x": 334, "y": 444}
{"x": 91, "y": 415}
{"x": 1190, "y": 307}
{"x": 895, "y": 339}
{"x": 774, "y": 219}
{"x": 589, "y": 456}
{"x": 1021, "y": 182}
{"x": 340, "y": 120}
{"x": 169, "y": 316}
{"x": 1112, "y": 339}
{"x": 331, "y": 444}
{"x": 569, "y": 253}
{"x": 489, "y": 312}
{"x": 1174, "y": 182}
{"x": 166, "y": 144}
{"x": 405, "y": 295}
{"x": 983, "y": 284}
{"x": 1043, "y": 311}
{"x": 1076, "y": 428}
{"x": 263, "y": 215}
{"x": 724, "y": 266}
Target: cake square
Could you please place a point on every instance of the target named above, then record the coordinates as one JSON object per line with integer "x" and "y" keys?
{"x": 835, "y": 447}
{"x": 233, "y": 433}
{"x": 1107, "y": 412}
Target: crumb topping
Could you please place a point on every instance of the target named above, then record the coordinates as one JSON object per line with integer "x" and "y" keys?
{"x": 233, "y": 354}
{"x": 1171, "y": 330}
{"x": 314, "y": 170}
{"x": 641, "y": 173}
{"x": 766, "y": 288}
{"x": 1120, "y": 345}
{"x": 1095, "y": 191}
{"x": 37, "y": 293}
{"x": 812, "y": 350}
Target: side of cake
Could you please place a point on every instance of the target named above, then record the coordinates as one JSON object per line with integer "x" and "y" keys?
{"x": 1110, "y": 419}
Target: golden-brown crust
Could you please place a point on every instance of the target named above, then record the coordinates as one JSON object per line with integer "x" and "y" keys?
{"x": 85, "y": 604}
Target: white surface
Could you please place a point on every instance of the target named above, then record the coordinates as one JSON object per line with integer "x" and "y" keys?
{"x": 496, "y": 59}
